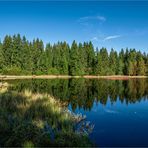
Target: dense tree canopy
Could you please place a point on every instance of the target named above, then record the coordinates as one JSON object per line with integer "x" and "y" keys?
{"x": 19, "y": 56}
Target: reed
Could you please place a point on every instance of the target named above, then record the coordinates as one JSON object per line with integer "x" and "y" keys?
{"x": 33, "y": 120}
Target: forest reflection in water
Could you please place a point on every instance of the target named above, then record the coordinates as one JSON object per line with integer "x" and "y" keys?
{"x": 82, "y": 93}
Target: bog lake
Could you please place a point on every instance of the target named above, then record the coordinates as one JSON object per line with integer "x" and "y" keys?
{"x": 118, "y": 109}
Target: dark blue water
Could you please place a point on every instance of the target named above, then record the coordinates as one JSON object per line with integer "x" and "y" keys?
{"x": 118, "y": 124}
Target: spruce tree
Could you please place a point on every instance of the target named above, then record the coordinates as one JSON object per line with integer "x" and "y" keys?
{"x": 102, "y": 67}
{"x": 74, "y": 64}
{"x": 141, "y": 67}
{"x": 26, "y": 57}
{"x": 90, "y": 57}
{"x": 7, "y": 51}
{"x": 64, "y": 53}
{"x": 132, "y": 62}
{"x": 56, "y": 58}
{"x": 120, "y": 63}
{"x": 113, "y": 62}
{"x": 49, "y": 58}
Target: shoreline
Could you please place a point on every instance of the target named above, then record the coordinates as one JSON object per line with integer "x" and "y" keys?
{"x": 112, "y": 77}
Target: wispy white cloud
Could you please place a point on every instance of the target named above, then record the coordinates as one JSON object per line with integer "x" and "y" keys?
{"x": 103, "y": 39}
{"x": 111, "y": 37}
{"x": 86, "y": 18}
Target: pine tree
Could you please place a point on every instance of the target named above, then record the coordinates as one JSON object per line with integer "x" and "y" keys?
{"x": 37, "y": 50}
{"x": 64, "y": 52}
{"x": 98, "y": 64}
{"x": 120, "y": 63}
{"x": 82, "y": 59}
{"x": 7, "y": 51}
{"x": 126, "y": 57}
{"x": 56, "y": 58}
{"x": 102, "y": 66}
{"x": 141, "y": 68}
{"x": 26, "y": 57}
{"x": 113, "y": 62}
{"x": 74, "y": 64}
{"x": 90, "y": 57}
{"x": 49, "y": 58}
{"x": 132, "y": 62}
{"x": 17, "y": 51}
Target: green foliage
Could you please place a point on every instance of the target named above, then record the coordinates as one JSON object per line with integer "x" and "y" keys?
{"x": 19, "y": 56}
{"x": 53, "y": 71}
{"x": 141, "y": 65}
{"x": 36, "y": 120}
{"x": 102, "y": 65}
{"x": 75, "y": 61}
{"x": 90, "y": 58}
{"x": 12, "y": 71}
{"x": 120, "y": 63}
{"x": 113, "y": 62}
{"x": 132, "y": 62}
{"x": 28, "y": 144}
{"x": 69, "y": 139}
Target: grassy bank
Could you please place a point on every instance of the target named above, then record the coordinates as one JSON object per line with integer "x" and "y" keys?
{"x": 114, "y": 77}
{"x": 37, "y": 120}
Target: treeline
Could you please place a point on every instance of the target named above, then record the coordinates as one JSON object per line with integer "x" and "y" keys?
{"x": 19, "y": 56}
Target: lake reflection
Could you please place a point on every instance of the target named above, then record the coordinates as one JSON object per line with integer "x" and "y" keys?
{"x": 119, "y": 109}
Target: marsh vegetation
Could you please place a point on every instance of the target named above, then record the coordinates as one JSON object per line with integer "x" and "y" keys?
{"x": 35, "y": 119}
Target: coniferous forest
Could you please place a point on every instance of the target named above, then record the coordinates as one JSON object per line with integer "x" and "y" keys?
{"x": 18, "y": 56}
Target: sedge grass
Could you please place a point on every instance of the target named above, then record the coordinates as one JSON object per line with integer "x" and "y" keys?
{"x": 33, "y": 120}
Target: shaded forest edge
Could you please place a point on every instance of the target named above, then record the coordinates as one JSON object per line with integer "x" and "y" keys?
{"x": 18, "y": 56}
{"x": 114, "y": 77}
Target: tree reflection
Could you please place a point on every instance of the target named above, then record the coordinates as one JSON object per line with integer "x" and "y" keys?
{"x": 81, "y": 93}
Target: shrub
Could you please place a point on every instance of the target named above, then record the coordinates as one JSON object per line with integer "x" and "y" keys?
{"x": 12, "y": 71}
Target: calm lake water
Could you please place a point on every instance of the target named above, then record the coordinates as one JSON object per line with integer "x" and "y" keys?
{"x": 118, "y": 109}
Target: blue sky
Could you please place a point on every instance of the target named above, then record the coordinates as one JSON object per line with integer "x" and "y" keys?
{"x": 106, "y": 23}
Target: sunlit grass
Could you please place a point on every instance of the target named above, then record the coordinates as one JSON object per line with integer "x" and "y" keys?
{"x": 3, "y": 87}
{"x": 32, "y": 119}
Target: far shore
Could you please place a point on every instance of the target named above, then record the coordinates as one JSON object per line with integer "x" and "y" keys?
{"x": 112, "y": 77}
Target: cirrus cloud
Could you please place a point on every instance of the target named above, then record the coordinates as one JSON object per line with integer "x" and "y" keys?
{"x": 111, "y": 37}
{"x": 103, "y": 39}
{"x": 98, "y": 17}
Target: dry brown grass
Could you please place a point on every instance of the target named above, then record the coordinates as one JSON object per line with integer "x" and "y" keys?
{"x": 113, "y": 77}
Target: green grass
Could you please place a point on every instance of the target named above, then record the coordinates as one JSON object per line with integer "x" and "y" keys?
{"x": 36, "y": 120}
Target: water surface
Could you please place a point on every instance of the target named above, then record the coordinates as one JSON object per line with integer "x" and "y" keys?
{"x": 117, "y": 108}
